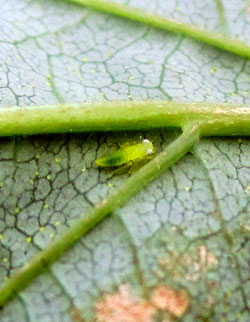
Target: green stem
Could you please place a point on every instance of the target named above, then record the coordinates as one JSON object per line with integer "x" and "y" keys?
{"x": 222, "y": 15}
{"x": 218, "y": 119}
{"x": 133, "y": 185}
{"x": 212, "y": 38}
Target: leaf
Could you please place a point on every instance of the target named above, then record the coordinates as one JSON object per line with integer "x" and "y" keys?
{"x": 182, "y": 244}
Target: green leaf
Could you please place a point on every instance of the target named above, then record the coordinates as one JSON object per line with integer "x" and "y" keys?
{"x": 186, "y": 236}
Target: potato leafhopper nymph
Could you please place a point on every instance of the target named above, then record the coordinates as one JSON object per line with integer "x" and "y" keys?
{"x": 127, "y": 155}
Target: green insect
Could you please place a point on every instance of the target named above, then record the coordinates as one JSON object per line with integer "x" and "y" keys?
{"x": 127, "y": 155}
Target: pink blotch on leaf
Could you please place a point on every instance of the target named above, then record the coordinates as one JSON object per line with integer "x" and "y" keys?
{"x": 174, "y": 301}
{"x": 123, "y": 306}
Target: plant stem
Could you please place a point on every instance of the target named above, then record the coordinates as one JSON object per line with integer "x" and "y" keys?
{"x": 222, "y": 15}
{"x": 212, "y": 38}
{"x": 133, "y": 185}
{"x": 218, "y": 119}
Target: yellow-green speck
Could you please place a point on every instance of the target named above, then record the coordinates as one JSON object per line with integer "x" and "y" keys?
{"x": 213, "y": 70}
{"x": 29, "y": 239}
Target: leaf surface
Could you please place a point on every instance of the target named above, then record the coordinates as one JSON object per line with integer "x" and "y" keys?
{"x": 183, "y": 240}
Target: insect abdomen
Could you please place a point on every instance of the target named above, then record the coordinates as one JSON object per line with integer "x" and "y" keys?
{"x": 113, "y": 160}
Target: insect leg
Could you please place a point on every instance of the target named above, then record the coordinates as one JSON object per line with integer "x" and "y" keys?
{"x": 121, "y": 170}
